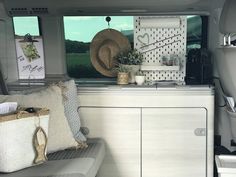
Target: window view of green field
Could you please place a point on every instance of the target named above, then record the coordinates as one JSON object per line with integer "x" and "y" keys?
{"x": 79, "y": 32}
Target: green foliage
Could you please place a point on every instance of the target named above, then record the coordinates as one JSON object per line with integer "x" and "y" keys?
{"x": 73, "y": 59}
{"x": 122, "y": 68}
{"x": 81, "y": 71}
{"x": 76, "y": 46}
{"x": 139, "y": 73}
{"x": 30, "y": 51}
{"x": 80, "y": 66}
{"x": 131, "y": 57}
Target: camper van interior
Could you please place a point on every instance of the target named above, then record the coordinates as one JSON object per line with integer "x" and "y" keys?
{"x": 128, "y": 88}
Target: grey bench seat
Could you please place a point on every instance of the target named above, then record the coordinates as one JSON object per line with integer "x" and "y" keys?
{"x": 68, "y": 163}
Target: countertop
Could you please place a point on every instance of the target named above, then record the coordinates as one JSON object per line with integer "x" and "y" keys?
{"x": 112, "y": 86}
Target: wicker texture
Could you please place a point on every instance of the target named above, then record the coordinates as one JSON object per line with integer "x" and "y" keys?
{"x": 105, "y": 45}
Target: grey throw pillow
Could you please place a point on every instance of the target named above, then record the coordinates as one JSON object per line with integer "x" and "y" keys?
{"x": 71, "y": 104}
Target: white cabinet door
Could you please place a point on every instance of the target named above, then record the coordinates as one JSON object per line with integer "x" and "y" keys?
{"x": 120, "y": 128}
{"x": 173, "y": 142}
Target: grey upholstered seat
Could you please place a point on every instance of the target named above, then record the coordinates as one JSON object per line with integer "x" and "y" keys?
{"x": 68, "y": 163}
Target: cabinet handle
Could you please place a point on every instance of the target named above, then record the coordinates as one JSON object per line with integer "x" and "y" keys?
{"x": 200, "y": 131}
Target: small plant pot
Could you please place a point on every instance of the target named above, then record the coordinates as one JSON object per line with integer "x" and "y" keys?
{"x": 140, "y": 80}
{"x": 122, "y": 78}
{"x": 133, "y": 70}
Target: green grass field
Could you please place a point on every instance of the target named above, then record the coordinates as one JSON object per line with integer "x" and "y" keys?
{"x": 74, "y": 59}
{"x": 80, "y": 66}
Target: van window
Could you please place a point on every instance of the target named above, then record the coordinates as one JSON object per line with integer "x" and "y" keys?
{"x": 29, "y": 48}
{"x": 79, "y": 32}
{"x": 196, "y": 32}
{"x": 25, "y": 25}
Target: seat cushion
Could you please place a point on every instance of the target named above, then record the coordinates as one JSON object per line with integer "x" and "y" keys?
{"x": 95, "y": 150}
{"x": 95, "y": 145}
{"x": 68, "y": 163}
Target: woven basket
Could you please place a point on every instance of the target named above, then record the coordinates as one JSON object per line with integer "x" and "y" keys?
{"x": 122, "y": 78}
{"x": 21, "y": 114}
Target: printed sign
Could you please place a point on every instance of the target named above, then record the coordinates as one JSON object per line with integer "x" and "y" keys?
{"x": 30, "y": 58}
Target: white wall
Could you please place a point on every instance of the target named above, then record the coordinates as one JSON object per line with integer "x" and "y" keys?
{"x": 7, "y": 47}
{"x": 54, "y": 44}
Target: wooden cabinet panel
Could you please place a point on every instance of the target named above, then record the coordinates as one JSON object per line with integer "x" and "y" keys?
{"x": 120, "y": 128}
{"x": 174, "y": 142}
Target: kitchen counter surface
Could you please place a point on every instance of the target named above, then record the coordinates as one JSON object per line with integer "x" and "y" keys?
{"x": 113, "y": 87}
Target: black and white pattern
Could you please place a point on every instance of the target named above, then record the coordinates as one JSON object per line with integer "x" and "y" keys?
{"x": 162, "y": 42}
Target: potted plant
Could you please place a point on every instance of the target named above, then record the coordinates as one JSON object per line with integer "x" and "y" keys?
{"x": 122, "y": 74}
{"x": 132, "y": 59}
{"x": 139, "y": 78}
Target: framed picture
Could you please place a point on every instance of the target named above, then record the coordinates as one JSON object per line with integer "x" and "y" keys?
{"x": 30, "y": 57}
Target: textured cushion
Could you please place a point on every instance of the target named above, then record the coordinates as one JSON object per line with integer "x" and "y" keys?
{"x": 94, "y": 150}
{"x": 58, "y": 168}
{"x": 59, "y": 136}
{"x": 71, "y": 105}
{"x": 68, "y": 163}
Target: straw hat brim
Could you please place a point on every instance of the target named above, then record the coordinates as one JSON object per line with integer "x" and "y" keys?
{"x": 105, "y": 45}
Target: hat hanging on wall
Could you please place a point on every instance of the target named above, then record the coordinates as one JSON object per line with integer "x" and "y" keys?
{"x": 105, "y": 45}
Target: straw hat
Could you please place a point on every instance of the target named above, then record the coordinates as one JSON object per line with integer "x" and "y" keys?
{"x": 105, "y": 45}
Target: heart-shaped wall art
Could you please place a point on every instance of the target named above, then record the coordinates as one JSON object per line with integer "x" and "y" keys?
{"x": 143, "y": 39}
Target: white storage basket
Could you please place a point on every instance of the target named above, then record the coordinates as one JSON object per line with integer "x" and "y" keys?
{"x": 226, "y": 165}
{"x": 17, "y": 131}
